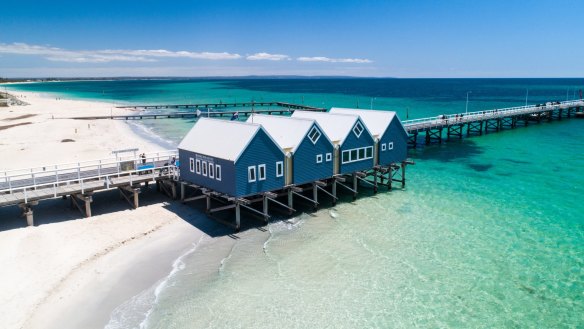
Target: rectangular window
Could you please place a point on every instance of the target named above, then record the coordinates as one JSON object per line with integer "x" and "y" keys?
{"x": 251, "y": 174}
{"x": 314, "y": 135}
{"x": 211, "y": 170}
{"x": 390, "y": 146}
{"x": 358, "y": 129}
{"x": 262, "y": 172}
{"x": 346, "y": 157}
{"x": 205, "y": 168}
{"x": 279, "y": 169}
{"x": 217, "y": 172}
{"x": 319, "y": 158}
{"x": 192, "y": 165}
{"x": 358, "y": 154}
{"x": 383, "y": 147}
{"x": 329, "y": 157}
{"x": 198, "y": 167}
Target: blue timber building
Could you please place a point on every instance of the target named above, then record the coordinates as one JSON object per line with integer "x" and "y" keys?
{"x": 309, "y": 151}
{"x": 353, "y": 142}
{"x": 231, "y": 157}
{"x": 388, "y": 131}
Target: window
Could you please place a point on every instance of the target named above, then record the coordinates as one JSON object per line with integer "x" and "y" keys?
{"x": 211, "y": 170}
{"x": 390, "y": 146}
{"x": 383, "y": 147}
{"x": 262, "y": 172}
{"x": 198, "y": 167}
{"x": 329, "y": 157}
{"x": 319, "y": 158}
{"x": 192, "y": 165}
{"x": 251, "y": 174}
{"x": 279, "y": 169}
{"x": 369, "y": 152}
{"x": 346, "y": 157}
{"x": 358, "y": 154}
{"x": 217, "y": 172}
{"x": 205, "y": 168}
{"x": 358, "y": 129}
{"x": 314, "y": 135}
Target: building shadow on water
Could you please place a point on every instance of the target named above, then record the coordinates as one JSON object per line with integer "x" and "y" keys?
{"x": 452, "y": 151}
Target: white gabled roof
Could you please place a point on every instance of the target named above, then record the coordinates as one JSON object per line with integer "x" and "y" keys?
{"x": 336, "y": 126}
{"x": 288, "y": 132}
{"x": 377, "y": 121}
{"x": 219, "y": 138}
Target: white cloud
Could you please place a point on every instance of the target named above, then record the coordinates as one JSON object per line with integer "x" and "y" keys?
{"x": 334, "y": 60}
{"x": 108, "y": 55}
{"x": 267, "y": 57}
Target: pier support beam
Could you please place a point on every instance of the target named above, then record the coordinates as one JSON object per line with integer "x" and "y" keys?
{"x": 413, "y": 139}
{"x": 454, "y": 130}
{"x": 130, "y": 194}
{"x": 434, "y": 135}
{"x": 492, "y": 125}
{"x": 475, "y": 128}
{"x": 27, "y": 212}
{"x": 86, "y": 199}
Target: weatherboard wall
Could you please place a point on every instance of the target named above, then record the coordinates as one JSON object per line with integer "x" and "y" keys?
{"x": 306, "y": 169}
{"x": 225, "y": 185}
{"x": 394, "y": 133}
{"x": 352, "y": 142}
{"x": 261, "y": 150}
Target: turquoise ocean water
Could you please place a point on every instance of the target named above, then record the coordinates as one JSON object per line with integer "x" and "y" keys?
{"x": 488, "y": 233}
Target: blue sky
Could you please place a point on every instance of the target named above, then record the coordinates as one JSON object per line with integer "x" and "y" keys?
{"x": 391, "y": 38}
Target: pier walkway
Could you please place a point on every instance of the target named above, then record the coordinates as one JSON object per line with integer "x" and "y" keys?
{"x": 79, "y": 181}
{"x": 206, "y": 110}
{"x": 477, "y": 123}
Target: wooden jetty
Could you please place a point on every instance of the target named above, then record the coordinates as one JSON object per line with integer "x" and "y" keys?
{"x": 206, "y": 110}
{"x": 481, "y": 122}
{"x": 79, "y": 181}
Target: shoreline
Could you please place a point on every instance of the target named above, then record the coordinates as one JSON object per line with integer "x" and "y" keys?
{"x": 74, "y": 271}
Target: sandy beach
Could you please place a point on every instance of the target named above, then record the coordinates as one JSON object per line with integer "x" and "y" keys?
{"x": 69, "y": 271}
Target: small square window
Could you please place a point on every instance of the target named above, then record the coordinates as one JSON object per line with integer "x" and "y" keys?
{"x": 314, "y": 135}
{"x": 198, "y": 166}
{"x": 218, "y": 172}
{"x": 353, "y": 155}
{"x": 205, "y": 168}
{"x": 383, "y": 147}
{"x": 319, "y": 158}
{"x": 251, "y": 174}
{"x": 358, "y": 129}
{"x": 361, "y": 154}
{"x": 211, "y": 170}
{"x": 279, "y": 169}
{"x": 369, "y": 152}
{"x": 329, "y": 157}
{"x": 390, "y": 146}
{"x": 192, "y": 165}
{"x": 262, "y": 172}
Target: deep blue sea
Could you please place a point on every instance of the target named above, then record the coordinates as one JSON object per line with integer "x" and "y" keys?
{"x": 488, "y": 233}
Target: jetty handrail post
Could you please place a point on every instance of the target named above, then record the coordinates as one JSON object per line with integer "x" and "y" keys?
{"x": 99, "y": 169}
{"x": 82, "y": 188}
{"x": 33, "y": 180}
{"x": 79, "y": 171}
{"x": 25, "y": 196}
{"x": 9, "y": 185}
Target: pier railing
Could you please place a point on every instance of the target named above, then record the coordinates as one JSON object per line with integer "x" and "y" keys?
{"x": 451, "y": 119}
{"x": 23, "y": 180}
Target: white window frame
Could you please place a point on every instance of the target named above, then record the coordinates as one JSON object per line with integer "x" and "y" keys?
{"x": 260, "y": 167}
{"x": 329, "y": 157}
{"x": 358, "y": 126}
{"x": 319, "y": 158}
{"x": 204, "y": 165}
{"x": 211, "y": 170}
{"x": 358, "y": 158}
{"x": 192, "y": 164}
{"x": 218, "y": 172}
{"x": 317, "y": 137}
{"x": 383, "y": 147}
{"x": 251, "y": 170}
{"x": 390, "y": 146}
{"x": 198, "y": 166}
{"x": 279, "y": 168}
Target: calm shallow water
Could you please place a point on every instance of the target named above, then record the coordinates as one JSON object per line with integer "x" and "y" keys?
{"x": 488, "y": 233}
